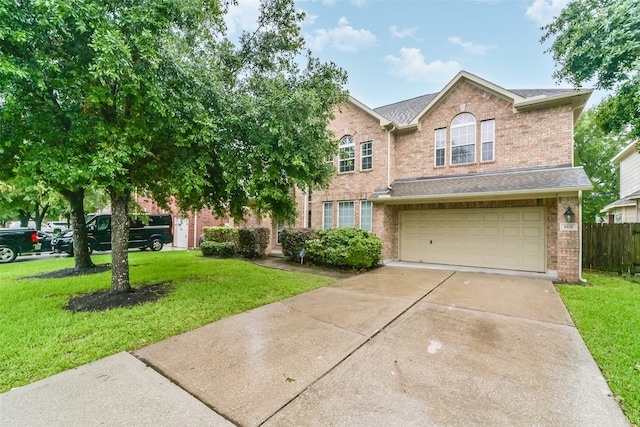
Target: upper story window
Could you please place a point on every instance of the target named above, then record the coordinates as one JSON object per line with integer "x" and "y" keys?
{"x": 440, "y": 147}
{"x": 347, "y": 154}
{"x": 463, "y": 139}
{"x": 487, "y": 138}
{"x": 366, "y": 156}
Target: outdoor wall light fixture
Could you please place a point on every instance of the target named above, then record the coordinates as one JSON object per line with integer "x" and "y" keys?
{"x": 569, "y": 216}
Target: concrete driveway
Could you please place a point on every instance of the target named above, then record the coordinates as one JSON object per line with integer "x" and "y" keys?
{"x": 393, "y": 347}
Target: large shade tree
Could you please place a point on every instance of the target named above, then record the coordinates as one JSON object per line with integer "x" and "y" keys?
{"x": 45, "y": 133}
{"x": 599, "y": 40}
{"x": 593, "y": 149}
{"x": 162, "y": 100}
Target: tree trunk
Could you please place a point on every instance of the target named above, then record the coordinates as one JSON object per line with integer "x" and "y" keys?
{"x": 39, "y": 215}
{"x": 80, "y": 241}
{"x": 120, "y": 241}
{"x": 24, "y": 218}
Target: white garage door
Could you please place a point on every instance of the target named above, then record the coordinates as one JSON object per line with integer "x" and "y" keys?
{"x": 509, "y": 238}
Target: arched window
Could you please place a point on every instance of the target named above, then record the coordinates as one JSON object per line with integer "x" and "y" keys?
{"x": 347, "y": 154}
{"x": 463, "y": 139}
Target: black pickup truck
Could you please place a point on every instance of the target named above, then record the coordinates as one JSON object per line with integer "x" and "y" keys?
{"x": 15, "y": 241}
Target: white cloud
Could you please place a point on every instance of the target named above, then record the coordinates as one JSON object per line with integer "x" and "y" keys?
{"x": 243, "y": 16}
{"x": 343, "y": 38}
{"x": 412, "y": 66}
{"x": 401, "y": 34}
{"x": 543, "y": 11}
{"x": 309, "y": 19}
{"x": 470, "y": 47}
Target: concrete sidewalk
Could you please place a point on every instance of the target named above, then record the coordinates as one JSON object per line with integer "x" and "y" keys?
{"x": 395, "y": 346}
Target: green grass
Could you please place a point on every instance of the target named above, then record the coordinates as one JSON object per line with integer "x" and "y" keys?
{"x": 607, "y": 315}
{"x": 39, "y": 338}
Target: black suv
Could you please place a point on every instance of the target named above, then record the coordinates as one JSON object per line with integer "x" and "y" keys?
{"x": 145, "y": 231}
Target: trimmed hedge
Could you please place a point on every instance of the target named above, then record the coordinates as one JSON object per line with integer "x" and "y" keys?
{"x": 221, "y": 249}
{"x": 294, "y": 240}
{"x": 345, "y": 247}
{"x": 253, "y": 241}
{"x": 221, "y": 234}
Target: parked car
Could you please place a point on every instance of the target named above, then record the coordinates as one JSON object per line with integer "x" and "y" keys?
{"x": 55, "y": 227}
{"x": 64, "y": 243}
{"x": 145, "y": 231}
{"x": 44, "y": 239}
{"x": 17, "y": 241}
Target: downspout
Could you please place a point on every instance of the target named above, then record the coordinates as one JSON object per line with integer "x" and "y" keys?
{"x": 580, "y": 278}
{"x": 389, "y": 156}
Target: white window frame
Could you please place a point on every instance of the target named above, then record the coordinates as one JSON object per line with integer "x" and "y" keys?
{"x": 351, "y": 213}
{"x": 463, "y": 134}
{"x": 368, "y": 156}
{"x": 487, "y": 137}
{"x": 347, "y": 146}
{"x": 440, "y": 144}
{"x": 327, "y": 207}
{"x": 367, "y": 206}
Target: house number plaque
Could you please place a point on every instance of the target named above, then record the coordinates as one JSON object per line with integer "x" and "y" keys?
{"x": 568, "y": 226}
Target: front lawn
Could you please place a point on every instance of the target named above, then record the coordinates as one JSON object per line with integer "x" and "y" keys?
{"x": 40, "y": 338}
{"x": 607, "y": 314}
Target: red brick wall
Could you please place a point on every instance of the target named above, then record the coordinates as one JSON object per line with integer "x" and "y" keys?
{"x": 197, "y": 220}
{"x": 522, "y": 140}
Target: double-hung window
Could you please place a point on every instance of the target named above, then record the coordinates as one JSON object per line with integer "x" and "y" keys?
{"x": 366, "y": 217}
{"x": 327, "y": 215}
{"x": 346, "y": 214}
{"x": 463, "y": 139}
{"x": 347, "y": 154}
{"x": 366, "y": 156}
{"x": 440, "y": 147}
{"x": 487, "y": 138}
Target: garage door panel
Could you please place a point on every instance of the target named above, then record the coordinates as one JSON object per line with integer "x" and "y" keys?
{"x": 508, "y": 238}
{"x": 511, "y": 232}
{"x": 532, "y": 232}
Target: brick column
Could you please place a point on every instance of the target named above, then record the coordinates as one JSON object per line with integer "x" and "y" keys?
{"x": 568, "y": 241}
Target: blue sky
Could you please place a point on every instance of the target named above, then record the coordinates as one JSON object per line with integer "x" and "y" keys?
{"x": 394, "y": 50}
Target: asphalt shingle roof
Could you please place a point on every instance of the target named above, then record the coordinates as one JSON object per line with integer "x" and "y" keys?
{"x": 516, "y": 182}
{"x": 404, "y": 112}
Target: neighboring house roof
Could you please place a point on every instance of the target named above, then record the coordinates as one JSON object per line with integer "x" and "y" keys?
{"x": 622, "y": 203}
{"x": 624, "y": 152}
{"x": 406, "y": 114}
{"x": 529, "y": 181}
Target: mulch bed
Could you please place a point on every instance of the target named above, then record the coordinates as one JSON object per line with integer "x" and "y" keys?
{"x": 107, "y": 299}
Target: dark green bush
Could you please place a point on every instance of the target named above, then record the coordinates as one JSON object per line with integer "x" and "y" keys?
{"x": 253, "y": 241}
{"x": 345, "y": 247}
{"x": 294, "y": 240}
{"x": 221, "y": 234}
{"x": 222, "y": 249}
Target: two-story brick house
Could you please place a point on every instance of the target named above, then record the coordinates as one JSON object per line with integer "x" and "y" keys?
{"x": 627, "y": 208}
{"x": 475, "y": 175}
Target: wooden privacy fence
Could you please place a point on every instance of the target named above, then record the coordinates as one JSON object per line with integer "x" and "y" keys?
{"x": 611, "y": 247}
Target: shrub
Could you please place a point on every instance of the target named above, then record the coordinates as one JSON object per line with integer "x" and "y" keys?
{"x": 253, "y": 241}
{"x": 221, "y": 249}
{"x": 294, "y": 240}
{"x": 345, "y": 247}
{"x": 221, "y": 234}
